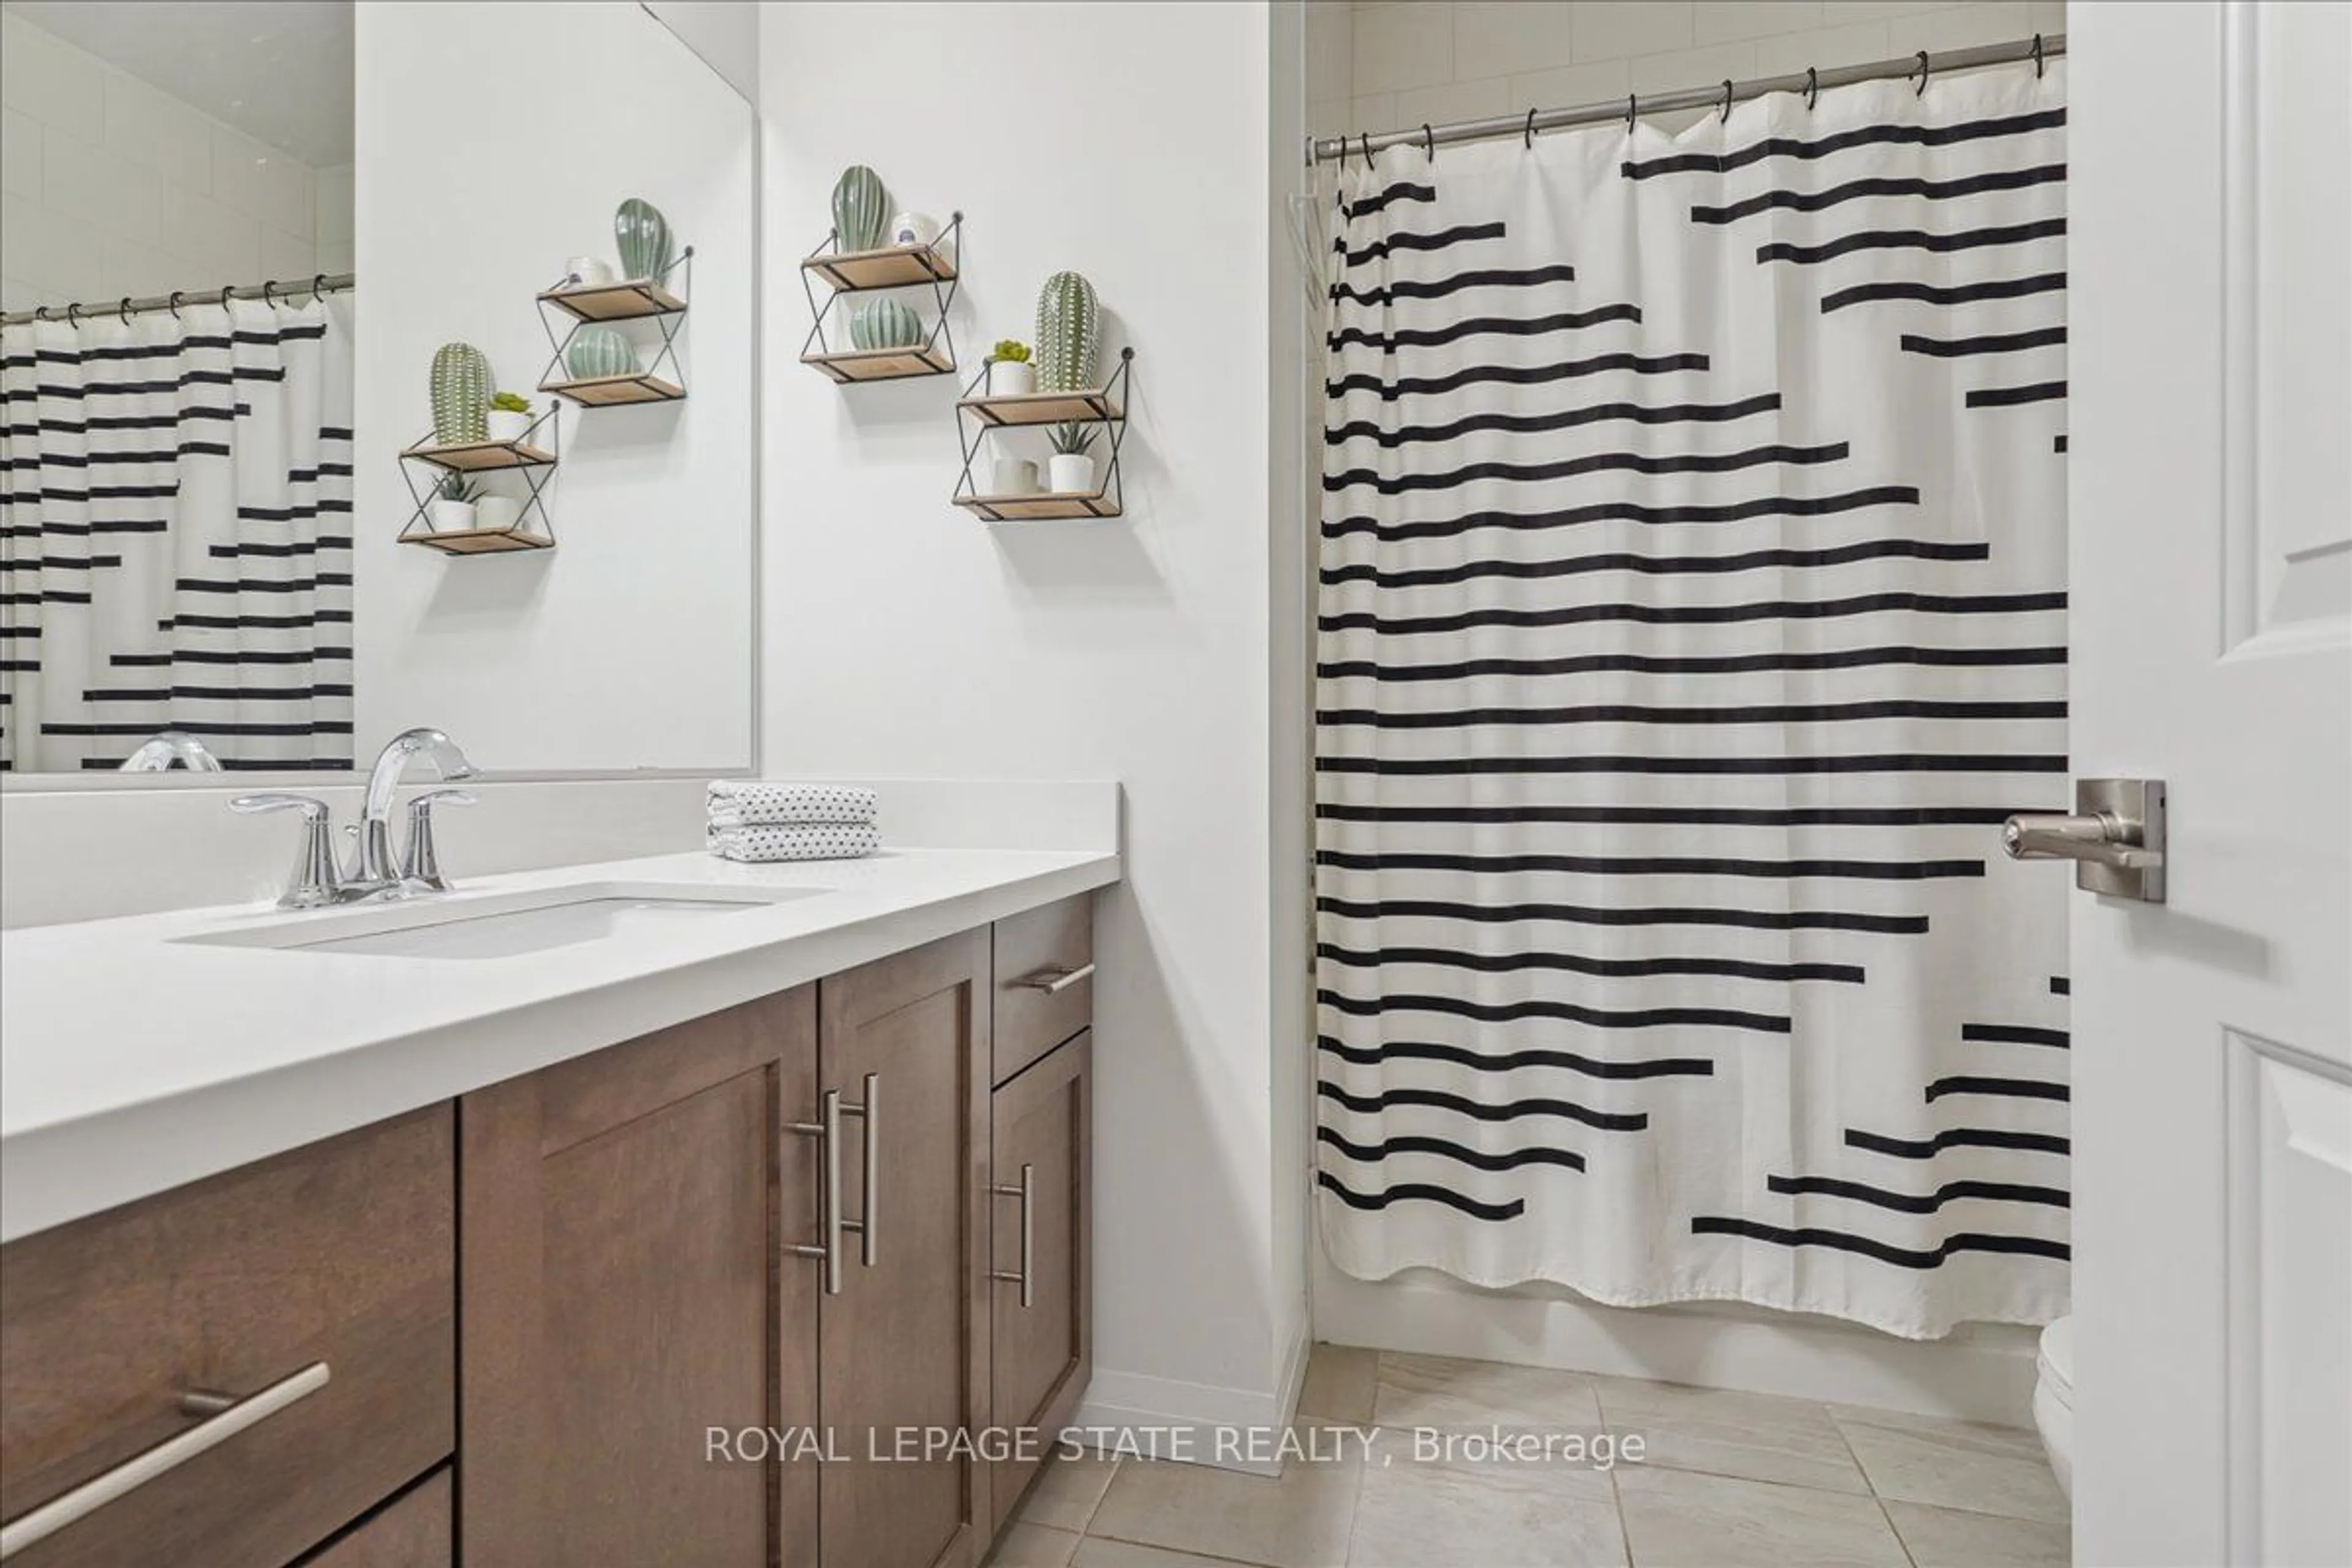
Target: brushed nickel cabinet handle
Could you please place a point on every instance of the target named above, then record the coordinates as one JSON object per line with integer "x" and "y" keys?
{"x": 869, "y": 1167}
{"x": 1026, "y": 1277}
{"x": 826, "y": 1131}
{"x": 1054, "y": 982}
{"x": 234, "y": 1416}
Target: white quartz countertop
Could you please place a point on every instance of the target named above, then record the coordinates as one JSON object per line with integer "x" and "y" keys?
{"x": 133, "y": 1060}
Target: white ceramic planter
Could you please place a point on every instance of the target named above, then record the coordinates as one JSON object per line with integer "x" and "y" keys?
{"x": 450, "y": 516}
{"x": 506, "y": 424}
{"x": 1011, "y": 477}
{"x": 497, "y": 512}
{"x": 1071, "y": 473}
{"x": 1008, "y": 378}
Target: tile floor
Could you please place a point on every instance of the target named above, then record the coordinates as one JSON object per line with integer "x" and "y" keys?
{"x": 1728, "y": 1481}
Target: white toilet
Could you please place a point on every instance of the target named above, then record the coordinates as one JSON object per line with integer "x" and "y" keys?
{"x": 2053, "y": 1399}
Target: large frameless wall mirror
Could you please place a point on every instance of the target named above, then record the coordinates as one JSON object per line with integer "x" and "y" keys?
{"x": 253, "y": 254}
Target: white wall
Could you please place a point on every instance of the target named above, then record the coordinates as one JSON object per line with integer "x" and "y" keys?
{"x": 1407, "y": 62}
{"x": 903, "y": 634}
{"x": 631, "y": 644}
{"x": 111, "y": 187}
{"x": 725, "y": 33}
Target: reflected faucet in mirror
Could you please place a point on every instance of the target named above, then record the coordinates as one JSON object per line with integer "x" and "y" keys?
{"x": 159, "y": 751}
{"x": 318, "y": 882}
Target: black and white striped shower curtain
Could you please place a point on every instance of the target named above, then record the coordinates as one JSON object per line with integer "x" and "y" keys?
{"x": 1691, "y": 612}
{"x": 175, "y": 542}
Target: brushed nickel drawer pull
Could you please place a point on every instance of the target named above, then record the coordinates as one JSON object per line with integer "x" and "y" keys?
{"x": 1054, "y": 982}
{"x": 870, "y": 1166}
{"x": 1027, "y": 1193}
{"x": 40, "y": 1523}
{"x": 826, "y": 1131}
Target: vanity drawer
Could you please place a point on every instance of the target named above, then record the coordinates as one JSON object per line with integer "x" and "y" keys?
{"x": 339, "y": 1256}
{"x": 1045, "y": 985}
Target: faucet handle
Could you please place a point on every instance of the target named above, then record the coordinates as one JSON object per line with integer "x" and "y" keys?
{"x": 315, "y": 880}
{"x": 421, "y": 865}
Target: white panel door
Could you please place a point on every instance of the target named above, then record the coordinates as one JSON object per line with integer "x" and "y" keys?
{"x": 2211, "y": 247}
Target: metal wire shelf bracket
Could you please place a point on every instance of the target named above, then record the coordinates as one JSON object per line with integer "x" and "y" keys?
{"x": 650, "y": 385}
{"x": 537, "y": 464}
{"x": 977, "y": 414}
{"x": 940, "y": 276}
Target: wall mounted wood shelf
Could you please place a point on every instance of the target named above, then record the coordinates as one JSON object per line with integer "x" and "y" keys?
{"x": 632, "y": 300}
{"x": 931, "y": 267}
{"x": 883, "y": 364}
{"x": 1105, "y": 406}
{"x": 482, "y": 456}
{"x": 1095, "y": 407}
{"x": 481, "y": 541}
{"x": 891, "y": 267}
{"x": 1041, "y": 506}
{"x": 610, "y": 390}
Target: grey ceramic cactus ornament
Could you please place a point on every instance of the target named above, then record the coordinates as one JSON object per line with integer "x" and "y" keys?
{"x": 461, "y": 396}
{"x": 1069, "y": 329}
{"x": 861, "y": 209}
{"x": 642, "y": 236}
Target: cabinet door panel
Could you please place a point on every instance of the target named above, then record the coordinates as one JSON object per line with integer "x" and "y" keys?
{"x": 624, "y": 1217}
{"x": 1041, "y": 1351}
{"x": 900, "y": 1347}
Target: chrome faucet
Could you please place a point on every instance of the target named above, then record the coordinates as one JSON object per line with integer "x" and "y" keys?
{"x": 317, "y": 881}
{"x": 159, "y": 751}
{"x": 372, "y": 869}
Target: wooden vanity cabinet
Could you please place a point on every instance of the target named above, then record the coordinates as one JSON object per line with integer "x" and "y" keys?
{"x": 627, "y": 1287}
{"x": 314, "y": 1291}
{"x": 902, "y": 1349}
{"x": 1041, "y": 1344}
{"x": 612, "y": 1310}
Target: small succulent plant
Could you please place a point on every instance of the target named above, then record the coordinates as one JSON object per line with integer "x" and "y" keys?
{"x": 456, "y": 487}
{"x": 1072, "y": 438}
{"x": 511, "y": 403}
{"x": 1012, "y": 351}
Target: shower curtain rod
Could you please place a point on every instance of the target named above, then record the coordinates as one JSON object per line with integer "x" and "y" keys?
{"x": 322, "y": 283}
{"x": 1337, "y": 149}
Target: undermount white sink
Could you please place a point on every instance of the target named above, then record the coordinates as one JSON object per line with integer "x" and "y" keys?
{"x": 504, "y": 925}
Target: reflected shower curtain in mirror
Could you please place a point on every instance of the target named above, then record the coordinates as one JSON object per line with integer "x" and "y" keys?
{"x": 175, "y": 543}
{"x": 1691, "y": 612}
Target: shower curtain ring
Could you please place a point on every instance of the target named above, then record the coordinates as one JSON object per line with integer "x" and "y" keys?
{"x": 40, "y": 312}
{"x": 73, "y": 316}
{"x": 1812, "y": 87}
{"x": 172, "y": 303}
{"x": 1726, "y": 100}
{"x": 226, "y": 290}
{"x": 1366, "y": 137}
{"x": 1921, "y": 90}
{"x": 318, "y": 287}
{"x": 1630, "y": 106}
{"x": 1531, "y": 131}
{"x": 122, "y": 311}
{"x": 2037, "y": 57}
{"x": 269, "y": 294}
{"x": 1428, "y": 142}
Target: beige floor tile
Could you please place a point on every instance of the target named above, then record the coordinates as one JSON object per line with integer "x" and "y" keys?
{"x": 1097, "y": 1553}
{"x": 1953, "y": 1464}
{"x": 1950, "y": 1538}
{"x": 1067, "y": 1492}
{"x": 1436, "y": 1391}
{"x": 1340, "y": 1381}
{"x": 1755, "y": 1436}
{"x": 1675, "y": 1518}
{"x": 1299, "y": 1520}
{"x": 1419, "y": 1510}
{"x": 1034, "y": 1546}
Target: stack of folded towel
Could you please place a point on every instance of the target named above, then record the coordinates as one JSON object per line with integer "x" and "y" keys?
{"x": 759, "y": 819}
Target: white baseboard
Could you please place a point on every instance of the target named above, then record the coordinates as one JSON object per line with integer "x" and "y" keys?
{"x": 1983, "y": 1373}
{"x": 1165, "y": 1418}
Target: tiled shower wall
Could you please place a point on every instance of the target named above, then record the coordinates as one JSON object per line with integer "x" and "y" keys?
{"x": 111, "y": 187}
{"x": 1384, "y": 65}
